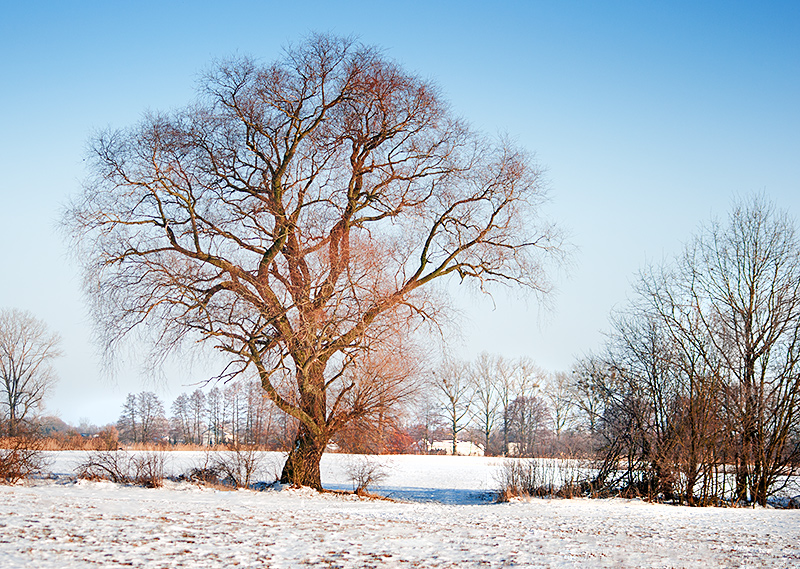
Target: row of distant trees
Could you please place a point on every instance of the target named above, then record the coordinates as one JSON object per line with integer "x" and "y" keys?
{"x": 237, "y": 413}
{"x": 507, "y": 407}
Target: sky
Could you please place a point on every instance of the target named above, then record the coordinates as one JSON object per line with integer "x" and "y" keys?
{"x": 649, "y": 118}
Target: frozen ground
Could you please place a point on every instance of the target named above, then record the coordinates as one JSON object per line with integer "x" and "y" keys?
{"x": 62, "y": 524}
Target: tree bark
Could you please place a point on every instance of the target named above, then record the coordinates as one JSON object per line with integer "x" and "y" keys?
{"x": 302, "y": 464}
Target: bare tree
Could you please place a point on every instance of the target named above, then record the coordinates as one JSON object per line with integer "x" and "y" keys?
{"x": 181, "y": 420}
{"x": 643, "y": 398}
{"x": 196, "y": 407}
{"x": 738, "y": 284}
{"x": 128, "y": 422}
{"x": 142, "y": 419}
{"x": 588, "y": 381}
{"x": 701, "y": 371}
{"x": 528, "y": 420}
{"x": 27, "y": 349}
{"x": 692, "y": 398}
{"x": 217, "y": 433}
{"x": 451, "y": 382}
{"x": 234, "y": 401}
{"x": 560, "y": 398}
{"x": 153, "y": 420}
{"x": 515, "y": 379}
{"x": 298, "y": 214}
{"x": 483, "y": 374}
{"x": 427, "y": 419}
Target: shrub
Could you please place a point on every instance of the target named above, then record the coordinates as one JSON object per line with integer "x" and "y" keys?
{"x": 204, "y": 472}
{"x": 517, "y": 478}
{"x": 365, "y": 471}
{"x": 122, "y": 467}
{"x": 21, "y": 457}
{"x": 564, "y": 478}
{"x": 149, "y": 469}
{"x": 108, "y": 438}
{"x": 238, "y": 464}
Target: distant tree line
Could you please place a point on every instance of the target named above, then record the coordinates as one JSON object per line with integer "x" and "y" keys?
{"x": 507, "y": 407}
{"x": 237, "y": 413}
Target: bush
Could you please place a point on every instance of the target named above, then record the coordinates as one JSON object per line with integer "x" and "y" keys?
{"x": 365, "y": 471}
{"x": 238, "y": 464}
{"x": 108, "y": 438}
{"x": 122, "y": 467}
{"x": 517, "y": 478}
{"x": 525, "y": 477}
{"x": 205, "y": 472}
{"x": 21, "y": 457}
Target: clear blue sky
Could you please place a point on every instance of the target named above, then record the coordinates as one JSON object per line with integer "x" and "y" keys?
{"x": 649, "y": 116}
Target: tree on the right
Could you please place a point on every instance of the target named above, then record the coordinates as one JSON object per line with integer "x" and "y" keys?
{"x": 730, "y": 308}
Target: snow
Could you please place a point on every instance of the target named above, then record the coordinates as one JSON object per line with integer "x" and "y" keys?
{"x": 60, "y": 523}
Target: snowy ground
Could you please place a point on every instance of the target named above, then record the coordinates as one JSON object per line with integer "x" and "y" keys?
{"x": 61, "y": 524}
{"x": 447, "y": 479}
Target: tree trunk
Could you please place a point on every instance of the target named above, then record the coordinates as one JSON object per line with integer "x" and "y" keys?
{"x": 12, "y": 422}
{"x": 302, "y": 464}
{"x": 742, "y": 480}
{"x": 505, "y": 431}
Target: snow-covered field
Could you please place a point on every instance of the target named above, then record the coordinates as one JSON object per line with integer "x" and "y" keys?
{"x": 58, "y": 523}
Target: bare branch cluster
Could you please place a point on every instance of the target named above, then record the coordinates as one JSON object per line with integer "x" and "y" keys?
{"x": 124, "y": 467}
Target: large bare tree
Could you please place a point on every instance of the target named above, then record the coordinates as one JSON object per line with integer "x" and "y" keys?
{"x": 27, "y": 349}
{"x": 296, "y": 216}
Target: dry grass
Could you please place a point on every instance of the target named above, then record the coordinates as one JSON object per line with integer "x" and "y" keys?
{"x": 526, "y": 477}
